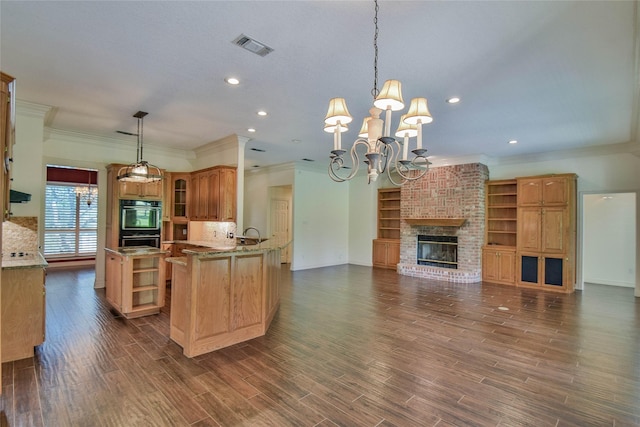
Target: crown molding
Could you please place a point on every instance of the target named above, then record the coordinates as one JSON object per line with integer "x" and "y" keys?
{"x": 592, "y": 151}
{"x": 31, "y": 109}
{"x": 265, "y": 170}
{"x": 109, "y": 142}
{"x": 226, "y": 143}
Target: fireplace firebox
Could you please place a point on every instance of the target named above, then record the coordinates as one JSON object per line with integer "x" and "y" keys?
{"x": 438, "y": 251}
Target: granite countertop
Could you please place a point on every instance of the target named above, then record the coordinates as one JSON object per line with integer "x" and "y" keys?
{"x": 202, "y": 248}
{"x": 29, "y": 260}
{"x": 181, "y": 260}
{"x": 137, "y": 251}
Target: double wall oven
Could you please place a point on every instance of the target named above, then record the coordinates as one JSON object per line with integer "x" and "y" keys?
{"x": 140, "y": 222}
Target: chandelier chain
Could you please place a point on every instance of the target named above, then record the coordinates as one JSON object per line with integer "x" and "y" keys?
{"x": 375, "y": 91}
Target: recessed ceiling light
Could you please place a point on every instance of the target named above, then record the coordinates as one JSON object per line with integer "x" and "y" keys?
{"x": 251, "y": 130}
{"x": 232, "y": 81}
{"x": 513, "y": 141}
{"x": 453, "y": 100}
{"x": 262, "y": 113}
{"x": 259, "y": 150}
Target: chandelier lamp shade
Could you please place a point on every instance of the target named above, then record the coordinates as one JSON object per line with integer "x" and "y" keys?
{"x": 140, "y": 171}
{"x": 382, "y": 152}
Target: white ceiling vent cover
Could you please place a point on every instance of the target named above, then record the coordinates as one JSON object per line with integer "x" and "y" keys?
{"x": 252, "y": 45}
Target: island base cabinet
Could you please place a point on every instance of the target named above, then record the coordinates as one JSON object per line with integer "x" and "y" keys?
{"x": 135, "y": 283}
{"x": 23, "y": 312}
{"x": 225, "y": 300}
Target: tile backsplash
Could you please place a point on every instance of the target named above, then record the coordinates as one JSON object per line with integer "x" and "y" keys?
{"x": 20, "y": 234}
{"x": 213, "y": 231}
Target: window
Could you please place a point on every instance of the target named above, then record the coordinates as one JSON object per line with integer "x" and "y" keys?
{"x": 70, "y": 223}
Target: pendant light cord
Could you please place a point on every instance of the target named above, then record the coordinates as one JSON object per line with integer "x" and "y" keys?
{"x": 375, "y": 91}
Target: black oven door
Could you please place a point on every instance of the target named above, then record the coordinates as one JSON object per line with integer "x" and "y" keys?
{"x": 151, "y": 240}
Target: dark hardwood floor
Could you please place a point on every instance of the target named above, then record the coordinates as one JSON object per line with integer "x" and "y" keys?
{"x": 350, "y": 346}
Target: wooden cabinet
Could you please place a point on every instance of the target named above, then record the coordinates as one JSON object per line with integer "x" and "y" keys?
{"x": 548, "y": 190}
{"x": 132, "y": 190}
{"x": 386, "y": 248}
{"x": 386, "y": 253}
{"x": 530, "y": 232}
{"x": 135, "y": 281}
{"x": 543, "y": 229}
{"x": 214, "y": 194}
{"x": 546, "y": 237}
{"x": 167, "y": 197}
{"x": 7, "y": 137}
{"x": 23, "y": 312}
{"x": 499, "y": 265}
{"x": 179, "y": 196}
{"x": 549, "y": 271}
{"x": 117, "y": 190}
{"x": 218, "y": 300}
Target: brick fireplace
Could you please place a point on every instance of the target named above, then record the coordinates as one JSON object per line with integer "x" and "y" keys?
{"x": 436, "y": 205}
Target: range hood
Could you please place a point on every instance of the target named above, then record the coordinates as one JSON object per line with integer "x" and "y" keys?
{"x": 19, "y": 197}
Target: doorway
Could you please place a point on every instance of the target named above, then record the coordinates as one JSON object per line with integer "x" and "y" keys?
{"x": 280, "y": 218}
{"x": 609, "y": 239}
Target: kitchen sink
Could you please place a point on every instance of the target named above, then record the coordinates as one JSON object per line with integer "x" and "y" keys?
{"x": 247, "y": 241}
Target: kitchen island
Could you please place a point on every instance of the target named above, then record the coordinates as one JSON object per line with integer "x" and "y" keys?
{"x": 223, "y": 296}
{"x": 23, "y": 304}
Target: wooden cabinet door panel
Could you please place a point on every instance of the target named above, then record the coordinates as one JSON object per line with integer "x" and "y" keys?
{"x": 507, "y": 267}
{"x": 247, "y": 292}
{"x": 554, "y": 191}
{"x": 227, "y": 200}
{"x": 212, "y": 310}
{"x": 553, "y": 230}
{"x": 529, "y": 229}
{"x": 529, "y": 191}
{"x": 379, "y": 253}
{"x": 393, "y": 254}
{"x": 213, "y": 197}
{"x": 203, "y": 195}
{"x": 489, "y": 265}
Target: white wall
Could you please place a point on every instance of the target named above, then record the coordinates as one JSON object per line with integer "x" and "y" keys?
{"x": 363, "y": 216}
{"x": 609, "y": 238}
{"x": 321, "y": 220}
{"x": 256, "y": 194}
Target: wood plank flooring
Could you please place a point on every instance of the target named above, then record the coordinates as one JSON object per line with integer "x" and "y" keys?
{"x": 350, "y": 346}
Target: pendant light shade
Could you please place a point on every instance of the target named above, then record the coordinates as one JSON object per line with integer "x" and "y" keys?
{"x": 338, "y": 112}
{"x": 418, "y": 112}
{"x": 140, "y": 171}
{"x": 390, "y": 97}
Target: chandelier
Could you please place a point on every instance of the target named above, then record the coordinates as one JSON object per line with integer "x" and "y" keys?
{"x": 87, "y": 193}
{"x": 140, "y": 171}
{"x": 383, "y": 152}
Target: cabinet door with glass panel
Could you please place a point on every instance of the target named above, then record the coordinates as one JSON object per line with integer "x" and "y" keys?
{"x": 180, "y": 184}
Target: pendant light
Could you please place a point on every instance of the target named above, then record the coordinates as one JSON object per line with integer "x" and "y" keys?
{"x": 140, "y": 171}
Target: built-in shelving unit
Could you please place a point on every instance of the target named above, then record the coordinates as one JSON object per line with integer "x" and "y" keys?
{"x": 389, "y": 213}
{"x": 386, "y": 248}
{"x": 502, "y": 213}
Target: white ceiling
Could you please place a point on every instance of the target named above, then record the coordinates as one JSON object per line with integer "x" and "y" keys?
{"x": 552, "y": 74}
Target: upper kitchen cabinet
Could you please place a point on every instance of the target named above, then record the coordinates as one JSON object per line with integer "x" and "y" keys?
{"x": 134, "y": 190}
{"x": 180, "y": 191}
{"x": 550, "y": 190}
{"x": 7, "y": 136}
{"x": 213, "y": 193}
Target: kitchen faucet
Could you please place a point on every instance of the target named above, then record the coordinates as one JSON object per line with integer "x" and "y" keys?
{"x": 244, "y": 233}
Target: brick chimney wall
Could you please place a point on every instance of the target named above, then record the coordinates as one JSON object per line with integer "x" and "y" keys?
{"x": 446, "y": 192}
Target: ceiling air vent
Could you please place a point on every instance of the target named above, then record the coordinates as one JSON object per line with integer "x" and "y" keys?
{"x": 252, "y": 45}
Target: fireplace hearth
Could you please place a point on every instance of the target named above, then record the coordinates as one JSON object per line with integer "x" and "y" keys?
{"x": 438, "y": 251}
